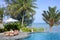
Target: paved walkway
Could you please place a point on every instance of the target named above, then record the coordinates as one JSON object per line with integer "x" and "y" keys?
{"x": 21, "y": 35}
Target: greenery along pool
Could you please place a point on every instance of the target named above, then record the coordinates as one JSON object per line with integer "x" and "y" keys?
{"x": 43, "y": 36}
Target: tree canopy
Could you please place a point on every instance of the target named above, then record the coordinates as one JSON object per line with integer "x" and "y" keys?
{"x": 21, "y": 9}
{"x": 1, "y": 13}
{"x": 51, "y": 16}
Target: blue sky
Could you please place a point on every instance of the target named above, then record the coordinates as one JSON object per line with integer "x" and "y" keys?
{"x": 42, "y": 5}
{"x": 2, "y": 3}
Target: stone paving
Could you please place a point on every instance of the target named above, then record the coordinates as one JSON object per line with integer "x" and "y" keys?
{"x": 21, "y": 35}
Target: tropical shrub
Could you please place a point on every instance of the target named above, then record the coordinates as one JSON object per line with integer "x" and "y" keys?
{"x": 13, "y": 26}
{"x": 2, "y": 30}
{"x": 1, "y": 14}
{"x": 24, "y": 29}
{"x": 41, "y": 29}
{"x": 35, "y": 29}
{"x": 38, "y": 29}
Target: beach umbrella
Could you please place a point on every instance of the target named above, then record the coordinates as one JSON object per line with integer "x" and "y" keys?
{"x": 10, "y": 20}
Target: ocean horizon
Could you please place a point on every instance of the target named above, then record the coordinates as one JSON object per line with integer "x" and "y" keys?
{"x": 45, "y": 26}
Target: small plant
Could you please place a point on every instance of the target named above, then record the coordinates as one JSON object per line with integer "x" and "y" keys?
{"x": 38, "y": 29}
{"x": 24, "y": 29}
{"x": 35, "y": 29}
{"x": 13, "y": 26}
{"x": 41, "y": 29}
{"x": 2, "y": 30}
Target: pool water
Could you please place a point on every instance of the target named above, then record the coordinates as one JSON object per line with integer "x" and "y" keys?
{"x": 43, "y": 36}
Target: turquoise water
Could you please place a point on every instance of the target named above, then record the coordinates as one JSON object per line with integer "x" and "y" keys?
{"x": 43, "y": 36}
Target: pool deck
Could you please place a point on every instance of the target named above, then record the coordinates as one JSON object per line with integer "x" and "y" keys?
{"x": 21, "y": 35}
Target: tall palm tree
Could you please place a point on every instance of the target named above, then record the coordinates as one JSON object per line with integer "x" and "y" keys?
{"x": 51, "y": 16}
{"x": 1, "y": 14}
{"x": 24, "y": 7}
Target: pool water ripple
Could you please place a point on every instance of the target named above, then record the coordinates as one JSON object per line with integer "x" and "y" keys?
{"x": 43, "y": 36}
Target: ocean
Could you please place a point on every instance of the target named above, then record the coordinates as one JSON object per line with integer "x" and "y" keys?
{"x": 55, "y": 28}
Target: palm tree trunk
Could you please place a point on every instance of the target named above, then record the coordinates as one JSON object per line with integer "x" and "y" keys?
{"x": 22, "y": 21}
{"x": 51, "y": 24}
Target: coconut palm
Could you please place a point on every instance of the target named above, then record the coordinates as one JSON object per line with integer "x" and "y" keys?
{"x": 51, "y": 16}
{"x": 24, "y": 7}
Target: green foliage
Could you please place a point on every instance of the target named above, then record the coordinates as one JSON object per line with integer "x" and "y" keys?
{"x": 2, "y": 30}
{"x": 1, "y": 14}
{"x": 20, "y": 8}
{"x": 38, "y": 29}
{"x": 27, "y": 20}
{"x": 13, "y": 26}
{"x": 35, "y": 29}
{"x": 24, "y": 29}
{"x": 51, "y": 16}
{"x": 41, "y": 29}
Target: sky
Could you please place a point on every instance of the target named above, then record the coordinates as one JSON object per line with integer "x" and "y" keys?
{"x": 42, "y": 5}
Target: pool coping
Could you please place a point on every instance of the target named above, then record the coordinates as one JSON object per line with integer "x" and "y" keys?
{"x": 20, "y": 36}
{"x": 23, "y": 34}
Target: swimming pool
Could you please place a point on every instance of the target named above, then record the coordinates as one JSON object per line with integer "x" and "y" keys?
{"x": 43, "y": 36}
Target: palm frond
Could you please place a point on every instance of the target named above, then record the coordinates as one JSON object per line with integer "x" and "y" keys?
{"x": 52, "y": 13}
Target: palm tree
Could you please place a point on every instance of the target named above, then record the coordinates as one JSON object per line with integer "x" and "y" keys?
{"x": 1, "y": 14}
{"x": 51, "y": 16}
{"x": 24, "y": 7}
